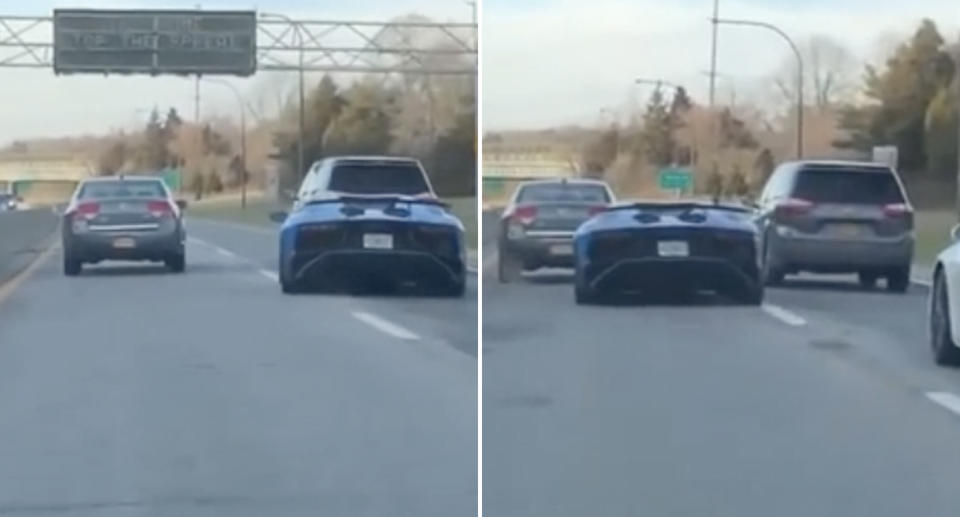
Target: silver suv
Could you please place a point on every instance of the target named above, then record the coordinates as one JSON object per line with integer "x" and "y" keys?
{"x": 837, "y": 217}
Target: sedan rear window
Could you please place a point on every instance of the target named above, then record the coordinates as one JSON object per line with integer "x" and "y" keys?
{"x": 554, "y": 192}
{"x": 381, "y": 178}
{"x": 863, "y": 187}
{"x": 123, "y": 189}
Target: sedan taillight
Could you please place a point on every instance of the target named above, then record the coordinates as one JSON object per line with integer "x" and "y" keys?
{"x": 159, "y": 208}
{"x": 87, "y": 210}
{"x": 524, "y": 214}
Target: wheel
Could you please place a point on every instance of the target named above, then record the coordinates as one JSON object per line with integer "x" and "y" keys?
{"x": 868, "y": 280}
{"x": 71, "y": 266}
{"x": 177, "y": 263}
{"x": 290, "y": 287}
{"x": 899, "y": 280}
{"x": 455, "y": 289}
{"x": 585, "y": 295}
{"x": 945, "y": 351}
{"x": 751, "y": 295}
{"x": 772, "y": 274}
{"x": 509, "y": 267}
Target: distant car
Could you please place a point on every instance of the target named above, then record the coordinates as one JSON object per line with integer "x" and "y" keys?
{"x": 8, "y": 202}
{"x": 657, "y": 247}
{"x": 943, "y": 314}
{"x": 123, "y": 218}
{"x": 837, "y": 217}
{"x": 537, "y": 226}
{"x": 370, "y": 219}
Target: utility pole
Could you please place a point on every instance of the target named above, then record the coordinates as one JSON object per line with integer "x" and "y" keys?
{"x": 196, "y": 100}
{"x": 796, "y": 52}
{"x": 713, "y": 52}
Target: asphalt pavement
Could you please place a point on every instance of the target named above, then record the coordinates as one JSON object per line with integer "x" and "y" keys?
{"x": 130, "y": 391}
{"x": 825, "y": 401}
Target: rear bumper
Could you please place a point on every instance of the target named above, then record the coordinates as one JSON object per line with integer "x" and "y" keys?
{"x": 543, "y": 251}
{"x": 394, "y": 266}
{"x": 836, "y": 255}
{"x": 670, "y": 275}
{"x": 92, "y": 246}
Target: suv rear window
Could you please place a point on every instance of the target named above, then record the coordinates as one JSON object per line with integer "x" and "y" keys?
{"x": 122, "y": 189}
{"x": 554, "y": 192}
{"x": 379, "y": 178}
{"x": 861, "y": 187}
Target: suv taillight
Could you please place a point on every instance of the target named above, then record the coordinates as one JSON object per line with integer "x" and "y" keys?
{"x": 896, "y": 210}
{"x": 793, "y": 206}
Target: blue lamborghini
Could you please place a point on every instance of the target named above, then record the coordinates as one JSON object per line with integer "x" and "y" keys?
{"x": 668, "y": 247}
{"x": 371, "y": 221}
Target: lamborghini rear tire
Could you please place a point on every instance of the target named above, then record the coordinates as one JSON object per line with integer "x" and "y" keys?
{"x": 455, "y": 289}
{"x": 584, "y": 295}
{"x": 751, "y": 295}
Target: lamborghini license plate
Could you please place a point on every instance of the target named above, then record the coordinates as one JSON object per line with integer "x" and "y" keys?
{"x": 124, "y": 243}
{"x": 378, "y": 241}
{"x": 673, "y": 249}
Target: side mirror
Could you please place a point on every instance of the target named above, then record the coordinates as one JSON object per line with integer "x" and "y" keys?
{"x": 278, "y": 217}
{"x": 955, "y": 232}
{"x": 182, "y": 203}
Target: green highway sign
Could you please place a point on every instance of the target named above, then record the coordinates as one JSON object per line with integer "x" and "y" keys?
{"x": 674, "y": 178}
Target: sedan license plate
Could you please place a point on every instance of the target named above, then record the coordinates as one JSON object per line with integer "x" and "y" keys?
{"x": 847, "y": 230}
{"x": 561, "y": 249}
{"x": 125, "y": 243}
{"x": 673, "y": 248}
{"x": 378, "y": 241}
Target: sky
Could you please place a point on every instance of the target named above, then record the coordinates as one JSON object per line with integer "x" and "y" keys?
{"x": 558, "y": 62}
{"x": 36, "y": 103}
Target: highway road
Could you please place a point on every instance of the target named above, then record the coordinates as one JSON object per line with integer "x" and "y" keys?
{"x": 823, "y": 402}
{"x": 130, "y": 391}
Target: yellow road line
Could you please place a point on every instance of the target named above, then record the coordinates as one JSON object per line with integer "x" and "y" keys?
{"x": 7, "y": 289}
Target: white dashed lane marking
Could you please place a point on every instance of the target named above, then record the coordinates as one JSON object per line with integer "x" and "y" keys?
{"x": 946, "y": 400}
{"x": 269, "y": 275}
{"x": 783, "y": 315}
{"x": 387, "y": 327}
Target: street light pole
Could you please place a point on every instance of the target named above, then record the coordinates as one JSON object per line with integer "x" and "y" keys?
{"x": 796, "y": 52}
{"x": 300, "y": 125}
{"x": 244, "y": 175}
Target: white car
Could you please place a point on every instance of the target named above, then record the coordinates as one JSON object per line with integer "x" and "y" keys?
{"x": 943, "y": 311}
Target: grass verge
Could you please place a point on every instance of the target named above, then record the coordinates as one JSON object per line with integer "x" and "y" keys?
{"x": 932, "y": 233}
{"x": 257, "y": 212}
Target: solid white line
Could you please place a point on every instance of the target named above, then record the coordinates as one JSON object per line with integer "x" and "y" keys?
{"x": 389, "y": 328}
{"x": 946, "y": 400}
{"x": 783, "y": 315}
{"x": 225, "y": 253}
{"x": 921, "y": 281}
{"x": 270, "y": 275}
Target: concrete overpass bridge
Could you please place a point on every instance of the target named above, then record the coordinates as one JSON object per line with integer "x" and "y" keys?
{"x": 41, "y": 180}
{"x": 504, "y": 168}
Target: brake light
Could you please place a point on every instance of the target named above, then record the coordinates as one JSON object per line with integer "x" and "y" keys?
{"x": 159, "y": 208}
{"x": 87, "y": 210}
{"x": 525, "y": 214}
{"x": 794, "y": 206}
{"x": 896, "y": 210}
{"x": 594, "y": 210}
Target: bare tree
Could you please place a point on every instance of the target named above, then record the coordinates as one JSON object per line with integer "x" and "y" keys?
{"x": 830, "y": 73}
